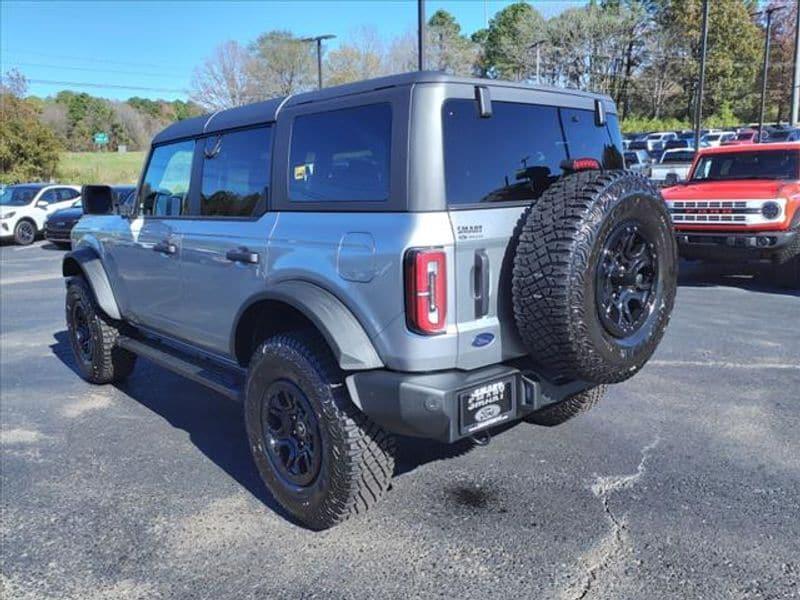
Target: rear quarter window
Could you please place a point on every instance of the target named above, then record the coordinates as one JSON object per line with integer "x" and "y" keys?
{"x": 341, "y": 155}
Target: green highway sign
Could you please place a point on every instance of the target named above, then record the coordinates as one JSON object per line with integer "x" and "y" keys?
{"x": 101, "y": 139}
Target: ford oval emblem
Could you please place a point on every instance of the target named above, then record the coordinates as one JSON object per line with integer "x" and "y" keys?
{"x": 483, "y": 339}
{"x": 487, "y": 412}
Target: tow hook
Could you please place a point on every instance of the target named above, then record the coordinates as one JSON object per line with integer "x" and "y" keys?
{"x": 482, "y": 438}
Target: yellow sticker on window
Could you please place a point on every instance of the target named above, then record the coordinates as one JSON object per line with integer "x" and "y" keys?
{"x": 300, "y": 172}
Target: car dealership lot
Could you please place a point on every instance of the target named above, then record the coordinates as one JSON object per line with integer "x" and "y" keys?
{"x": 684, "y": 483}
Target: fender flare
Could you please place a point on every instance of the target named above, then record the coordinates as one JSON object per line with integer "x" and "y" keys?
{"x": 85, "y": 261}
{"x": 350, "y": 344}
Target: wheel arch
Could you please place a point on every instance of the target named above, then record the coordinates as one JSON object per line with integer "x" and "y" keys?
{"x": 296, "y": 304}
{"x": 86, "y": 262}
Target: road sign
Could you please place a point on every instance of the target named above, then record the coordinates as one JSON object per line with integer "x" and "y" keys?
{"x": 101, "y": 139}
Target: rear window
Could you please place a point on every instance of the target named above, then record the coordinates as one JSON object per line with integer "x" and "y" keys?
{"x": 236, "y": 173}
{"x": 767, "y": 164}
{"x": 513, "y": 155}
{"x": 516, "y": 154}
{"x": 341, "y": 155}
{"x": 678, "y": 157}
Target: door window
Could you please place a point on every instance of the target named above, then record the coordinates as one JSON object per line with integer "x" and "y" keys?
{"x": 65, "y": 194}
{"x": 341, "y": 155}
{"x": 514, "y": 155}
{"x": 49, "y": 196}
{"x": 236, "y": 173}
{"x": 165, "y": 189}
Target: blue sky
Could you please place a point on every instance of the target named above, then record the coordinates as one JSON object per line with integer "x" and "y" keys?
{"x": 156, "y": 45}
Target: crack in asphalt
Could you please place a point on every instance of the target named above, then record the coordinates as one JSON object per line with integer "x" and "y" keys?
{"x": 616, "y": 543}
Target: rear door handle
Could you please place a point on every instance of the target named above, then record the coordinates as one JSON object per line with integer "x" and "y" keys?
{"x": 165, "y": 247}
{"x": 481, "y": 283}
{"x": 242, "y": 255}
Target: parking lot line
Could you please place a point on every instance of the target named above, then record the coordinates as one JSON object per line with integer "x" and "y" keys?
{"x": 723, "y": 364}
{"x": 29, "y": 279}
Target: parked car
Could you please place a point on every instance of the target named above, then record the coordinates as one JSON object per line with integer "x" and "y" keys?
{"x": 716, "y": 138}
{"x": 58, "y": 226}
{"x": 742, "y": 204}
{"x": 420, "y": 254}
{"x": 657, "y": 140}
{"x": 784, "y": 135}
{"x": 745, "y": 136}
{"x": 673, "y": 166}
{"x": 24, "y": 208}
{"x": 637, "y": 160}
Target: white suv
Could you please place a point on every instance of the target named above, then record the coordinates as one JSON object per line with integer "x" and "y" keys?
{"x": 24, "y": 208}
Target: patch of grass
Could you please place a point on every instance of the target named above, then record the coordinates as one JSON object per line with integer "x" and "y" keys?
{"x": 99, "y": 167}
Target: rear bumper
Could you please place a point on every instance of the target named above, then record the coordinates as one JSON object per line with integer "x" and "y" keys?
{"x": 427, "y": 405}
{"x": 724, "y": 246}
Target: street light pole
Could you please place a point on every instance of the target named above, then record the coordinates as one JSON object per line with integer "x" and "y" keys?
{"x": 420, "y": 35}
{"x": 318, "y": 39}
{"x": 765, "y": 70}
{"x": 538, "y": 46}
{"x": 796, "y": 77}
{"x": 698, "y": 109}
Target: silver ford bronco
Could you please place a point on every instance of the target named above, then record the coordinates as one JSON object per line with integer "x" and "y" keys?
{"x": 417, "y": 255}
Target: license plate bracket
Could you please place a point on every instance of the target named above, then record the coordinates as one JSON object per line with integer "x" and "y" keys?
{"x": 486, "y": 405}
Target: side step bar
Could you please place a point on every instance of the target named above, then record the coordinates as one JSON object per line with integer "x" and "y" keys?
{"x": 228, "y": 382}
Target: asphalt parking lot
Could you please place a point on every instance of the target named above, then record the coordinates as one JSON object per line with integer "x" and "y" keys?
{"x": 684, "y": 483}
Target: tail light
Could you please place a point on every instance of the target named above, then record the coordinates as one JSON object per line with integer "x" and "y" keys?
{"x": 581, "y": 164}
{"x": 426, "y": 290}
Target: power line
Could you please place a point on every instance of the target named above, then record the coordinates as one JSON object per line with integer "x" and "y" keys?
{"x": 94, "y": 70}
{"x": 108, "y": 85}
{"x": 94, "y": 59}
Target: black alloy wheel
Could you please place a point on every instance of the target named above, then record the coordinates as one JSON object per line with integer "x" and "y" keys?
{"x": 292, "y": 440}
{"x": 626, "y": 280}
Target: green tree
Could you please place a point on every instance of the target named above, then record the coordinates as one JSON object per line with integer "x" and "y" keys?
{"x": 447, "y": 49}
{"x": 282, "y": 64}
{"x": 512, "y": 33}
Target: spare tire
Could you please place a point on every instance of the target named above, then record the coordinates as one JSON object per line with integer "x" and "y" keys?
{"x": 594, "y": 276}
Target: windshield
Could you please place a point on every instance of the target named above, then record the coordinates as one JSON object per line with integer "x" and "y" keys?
{"x": 768, "y": 164}
{"x": 17, "y": 196}
{"x": 747, "y": 135}
{"x": 678, "y": 157}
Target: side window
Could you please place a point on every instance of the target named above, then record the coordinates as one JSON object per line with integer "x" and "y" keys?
{"x": 65, "y": 194}
{"x": 49, "y": 196}
{"x": 512, "y": 156}
{"x": 236, "y": 171}
{"x": 165, "y": 190}
{"x": 587, "y": 140}
{"x": 341, "y": 155}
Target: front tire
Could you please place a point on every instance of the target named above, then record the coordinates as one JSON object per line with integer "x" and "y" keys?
{"x": 319, "y": 456}
{"x": 25, "y": 232}
{"x": 93, "y": 337}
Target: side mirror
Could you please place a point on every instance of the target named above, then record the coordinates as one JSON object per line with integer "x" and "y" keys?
{"x": 671, "y": 179}
{"x": 43, "y": 204}
{"x": 97, "y": 199}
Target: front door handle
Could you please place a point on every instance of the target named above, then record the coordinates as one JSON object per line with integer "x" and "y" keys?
{"x": 242, "y": 255}
{"x": 165, "y": 247}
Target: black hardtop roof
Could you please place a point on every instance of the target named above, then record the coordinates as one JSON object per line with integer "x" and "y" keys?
{"x": 267, "y": 111}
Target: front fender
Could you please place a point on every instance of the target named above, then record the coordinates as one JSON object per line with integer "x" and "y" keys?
{"x": 86, "y": 261}
{"x": 346, "y": 338}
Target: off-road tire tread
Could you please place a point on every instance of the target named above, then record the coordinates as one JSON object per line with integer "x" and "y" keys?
{"x": 111, "y": 363}
{"x": 563, "y": 411}
{"x": 553, "y": 253}
{"x": 361, "y": 472}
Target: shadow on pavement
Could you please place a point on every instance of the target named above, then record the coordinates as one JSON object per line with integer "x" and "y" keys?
{"x": 757, "y": 278}
{"x": 216, "y": 427}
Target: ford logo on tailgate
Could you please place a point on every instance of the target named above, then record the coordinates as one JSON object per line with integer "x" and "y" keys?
{"x": 487, "y": 412}
{"x": 483, "y": 339}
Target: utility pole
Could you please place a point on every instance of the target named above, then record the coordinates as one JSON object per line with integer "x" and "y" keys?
{"x": 698, "y": 109}
{"x": 538, "y": 46}
{"x": 318, "y": 39}
{"x": 796, "y": 77}
{"x": 765, "y": 68}
{"x": 421, "y": 35}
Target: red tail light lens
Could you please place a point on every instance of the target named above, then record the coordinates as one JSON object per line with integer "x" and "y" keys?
{"x": 581, "y": 164}
{"x": 426, "y": 290}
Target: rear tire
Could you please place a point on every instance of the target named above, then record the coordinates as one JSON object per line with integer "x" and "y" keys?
{"x": 93, "y": 337}
{"x": 564, "y": 410}
{"x": 319, "y": 456}
{"x": 594, "y": 276}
